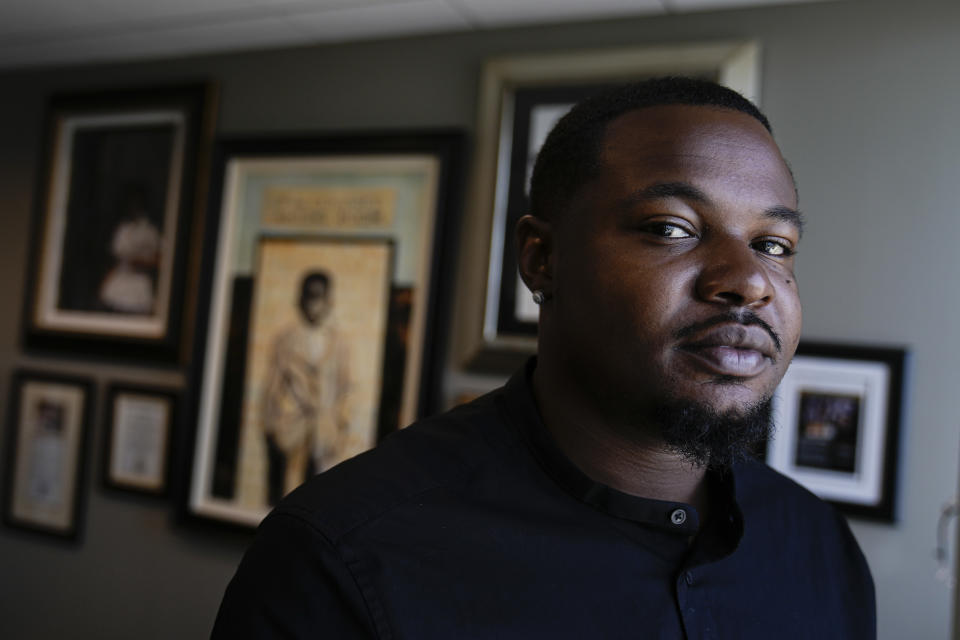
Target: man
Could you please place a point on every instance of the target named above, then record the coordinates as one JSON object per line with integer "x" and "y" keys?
{"x": 605, "y": 492}
{"x": 305, "y": 416}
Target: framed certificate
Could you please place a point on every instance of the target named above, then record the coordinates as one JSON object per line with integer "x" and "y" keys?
{"x": 46, "y": 452}
{"x": 140, "y": 421}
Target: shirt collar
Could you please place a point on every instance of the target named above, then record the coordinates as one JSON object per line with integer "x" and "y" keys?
{"x": 673, "y": 517}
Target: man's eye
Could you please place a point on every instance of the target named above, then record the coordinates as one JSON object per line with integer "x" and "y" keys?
{"x": 666, "y": 230}
{"x": 773, "y": 248}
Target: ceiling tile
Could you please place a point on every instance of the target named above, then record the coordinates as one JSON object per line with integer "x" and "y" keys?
{"x": 200, "y": 38}
{"x": 704, "y": 5}
{"x": 78, "y": 31}
{"x": 490, "y": 13}
{"x": 384, "y": 19}
{"x": 35, "y": 17}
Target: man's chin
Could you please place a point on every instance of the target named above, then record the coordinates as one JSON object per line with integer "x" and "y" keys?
{"x": 711, "y": 437}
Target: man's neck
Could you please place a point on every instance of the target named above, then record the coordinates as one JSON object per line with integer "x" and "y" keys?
{"x": 630, "y": 458}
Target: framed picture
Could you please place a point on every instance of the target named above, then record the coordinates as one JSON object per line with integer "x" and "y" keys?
{"x": 140, "y": 421}
{"x": 838, "y": 412}
{"x": 327, "y": 261}
{"x": 49, "y": 416}
{"x": 521, "y": 98}
{"x": 115, "y": 204}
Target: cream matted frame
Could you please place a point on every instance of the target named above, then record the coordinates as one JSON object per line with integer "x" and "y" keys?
{"x": 122, "y": 175}
{"x": 138, "y": 429}
{"x": 47, "y": 444}
{"x": 838, "y": 412}
{"x": 480, "y": 343}
{"x": 348, "y": 189}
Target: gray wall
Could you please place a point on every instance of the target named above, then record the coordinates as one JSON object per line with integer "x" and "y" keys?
{"x": 862, "y": 96}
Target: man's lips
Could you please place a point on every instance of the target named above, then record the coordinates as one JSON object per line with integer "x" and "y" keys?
{"x": 730, "y": 349}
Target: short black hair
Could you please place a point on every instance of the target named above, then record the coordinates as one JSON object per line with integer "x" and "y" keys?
{"x": 570, "y": 156}
{"x": 309, "y": 279}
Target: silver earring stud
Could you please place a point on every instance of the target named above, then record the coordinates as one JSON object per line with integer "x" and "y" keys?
{"x": 538, "y": 297}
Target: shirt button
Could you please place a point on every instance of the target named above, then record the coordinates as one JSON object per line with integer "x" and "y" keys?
{"x": 678, "y": 516}
{"x": 688, "y": 578}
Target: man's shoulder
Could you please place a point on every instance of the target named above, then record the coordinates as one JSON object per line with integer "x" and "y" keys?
{"x": 768, "y": 498}
{"x": 440, "y": 452}
{"x": 809, "y": 535}
{"x": 757, "y": 481}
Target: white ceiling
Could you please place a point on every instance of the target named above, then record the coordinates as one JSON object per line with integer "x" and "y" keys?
{"x": 58, "y": 32}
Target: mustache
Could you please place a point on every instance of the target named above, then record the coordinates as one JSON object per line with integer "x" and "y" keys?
{"x": 744, "y": 317}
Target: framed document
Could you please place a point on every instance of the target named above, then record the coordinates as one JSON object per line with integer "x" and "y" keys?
{"x": 46, "y": 452}
{"x": 114, "y": 217}
{"x": 521, "y": 98}
{"x": 838, "y": 412}
{"x": 325, "y": 264}
{"x": 140, "y": 421}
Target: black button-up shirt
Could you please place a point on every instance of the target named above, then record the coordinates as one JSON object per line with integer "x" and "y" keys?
{"x": 474, "y": 525}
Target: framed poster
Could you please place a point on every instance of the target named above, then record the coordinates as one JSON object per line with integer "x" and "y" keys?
{"x": 139, "y": 425}
{"x": 118, "y": 190}
{"x": 358, "y": 227}
{"x": 838, "y": 412}
{"x": 49, "y": 416}
{"x": 521, "y": 98}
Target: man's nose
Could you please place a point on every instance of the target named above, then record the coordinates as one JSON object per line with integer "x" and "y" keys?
{"x": 733, "y": 275}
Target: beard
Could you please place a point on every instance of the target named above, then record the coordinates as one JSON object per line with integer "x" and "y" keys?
{"x": 714, "y": 439}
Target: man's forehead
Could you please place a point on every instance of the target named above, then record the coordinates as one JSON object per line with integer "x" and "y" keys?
{"x": 681, "y": 126}
{"x": 710, "y": 142}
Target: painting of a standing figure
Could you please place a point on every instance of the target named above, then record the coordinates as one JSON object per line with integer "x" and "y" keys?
{"x": 311, "y": 396}
{"x": 305, "y": 413}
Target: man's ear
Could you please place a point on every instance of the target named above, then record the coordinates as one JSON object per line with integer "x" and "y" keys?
{"x": 534, "y": 238}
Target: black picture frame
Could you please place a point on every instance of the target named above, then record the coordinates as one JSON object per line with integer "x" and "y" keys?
{"x": 839, "y": 412}
{"x": 121, "y": 179}
{"x": 140, "y": 420}
{"x": 213, "y": 449}
{"x": 526, "y": 103}
{"x": 45, "y": 474}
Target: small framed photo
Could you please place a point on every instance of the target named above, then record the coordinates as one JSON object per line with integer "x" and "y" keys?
{"x": 838, "y": 413}
{"x": 324, "y": 288}
{"x": 49, "y": 416}
{"x": 140, "y": 421}
{"x": 521, "y": 99}
{"x": 114, "y": 217}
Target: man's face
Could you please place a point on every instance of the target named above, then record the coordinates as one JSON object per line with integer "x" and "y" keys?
{"x": 315, "y": 302}
{"x": 673, "y": 269}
